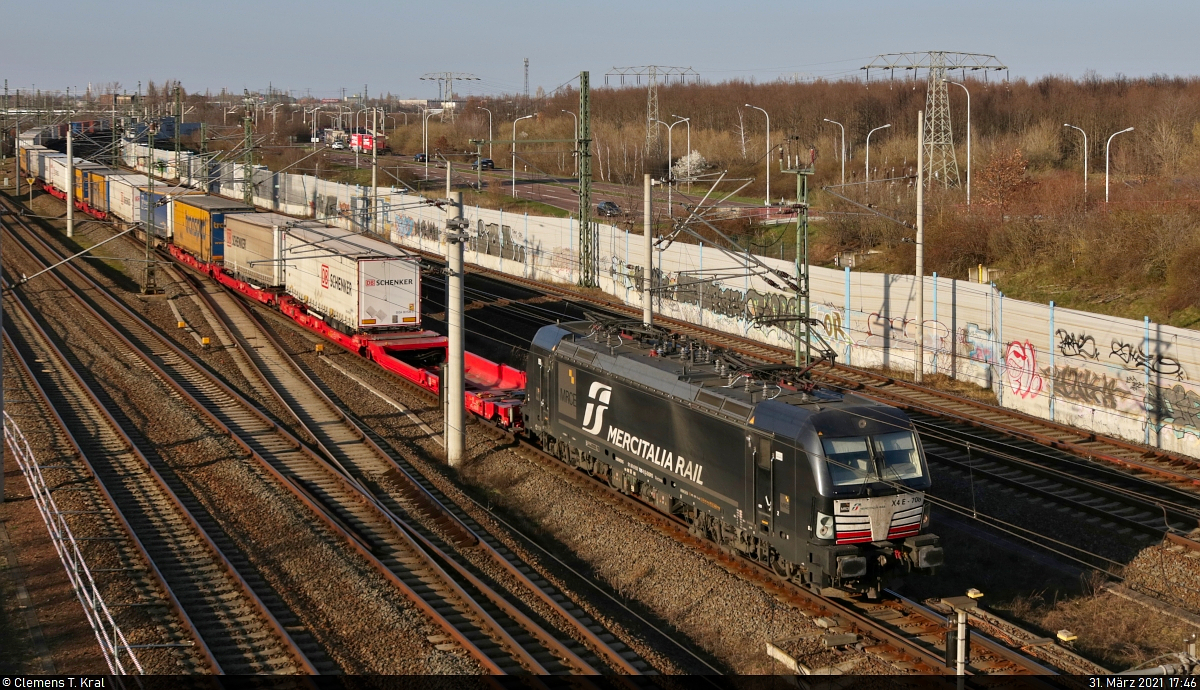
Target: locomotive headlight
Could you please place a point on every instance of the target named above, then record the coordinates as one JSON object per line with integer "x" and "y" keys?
{"x": 824, "y": 526}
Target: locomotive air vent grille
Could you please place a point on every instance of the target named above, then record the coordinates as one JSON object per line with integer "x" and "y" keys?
{"x": 737, "y": 409}
{"x": 703, "y": 396}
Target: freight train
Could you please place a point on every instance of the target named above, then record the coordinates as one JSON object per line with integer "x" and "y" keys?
{"x": 826, "y": 488}
{"x": 357, "y": 291}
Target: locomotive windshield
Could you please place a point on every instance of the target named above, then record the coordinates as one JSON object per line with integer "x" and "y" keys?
{"x": 855, "y": 460}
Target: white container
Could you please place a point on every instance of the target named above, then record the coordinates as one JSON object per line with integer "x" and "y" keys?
{"x": 253, "y": 245}
{"x": 44, "y": 157}
{"x": 353, "y": 281}
{"x": 56, "y": 170}
{"x": 124, "y": 197}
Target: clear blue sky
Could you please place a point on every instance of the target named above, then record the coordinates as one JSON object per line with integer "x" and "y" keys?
{"x": 306, "y": 45}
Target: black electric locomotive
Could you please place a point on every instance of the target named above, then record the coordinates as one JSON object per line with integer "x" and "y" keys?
{"x": 827, "y": 488}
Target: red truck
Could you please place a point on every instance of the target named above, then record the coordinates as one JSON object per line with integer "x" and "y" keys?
{"x": 365, "y": 143}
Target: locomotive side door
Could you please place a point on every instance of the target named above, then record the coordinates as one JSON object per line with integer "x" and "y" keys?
{"x": 545, "y": 390}
{"x": 763, "y": 466}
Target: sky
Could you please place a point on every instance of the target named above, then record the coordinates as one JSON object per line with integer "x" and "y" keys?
{"x": 315, "y": 48}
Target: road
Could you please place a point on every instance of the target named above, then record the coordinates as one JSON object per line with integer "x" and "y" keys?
{"x": 558, "y": 192}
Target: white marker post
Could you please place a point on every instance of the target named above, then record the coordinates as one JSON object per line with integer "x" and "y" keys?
{"x": 454, "y": 380}
{"x": 648, "y": 264}
{"x": 70, "y": 182}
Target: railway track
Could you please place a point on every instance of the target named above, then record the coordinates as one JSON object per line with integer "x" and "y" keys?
{"x": 996, "y": 423}
{"x": 907, "y": 634}
{"x": 475, "y": 618}
{"x": 900, "y": 631}
{"x": 1123, "y": 502}
{"x": 232, "y": 628}
{"x": 446, "y": 531}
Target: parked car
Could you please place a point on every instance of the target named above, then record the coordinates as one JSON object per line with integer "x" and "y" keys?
{"x": 608, "y": 209}
{"x": 484, "y": 163}
{"x": 420, "y": 158}
{"x": 338, "y": 146}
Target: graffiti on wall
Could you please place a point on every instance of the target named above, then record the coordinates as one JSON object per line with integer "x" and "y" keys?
{"x": 1174, "y": 408}
{"x": 1020, "y": 369}
{"x": 1086, "y": 387}
{"x": 977, "y": 343}
{"x": 1076, "y": 345}
{"x": 497, "y": 240}
{"x": 1134, "y": 357}
{"x": 407, "y": 229}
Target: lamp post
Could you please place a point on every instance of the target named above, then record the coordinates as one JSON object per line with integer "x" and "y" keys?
{"x": 842, "y": 152}
{"x": 867, "y": 168}
{"x": 1106, "y": 160}
{"x": 514, "y": 153}
{"x": 489, "y": 112}
{"x": 576, "y": 157}
{"x": 670, "y": 175}
{"x": 768, "y": 116}
{"x": 688, "y": 120}
{"x": 1085, "y": 159}
{"x": 425, "y": 135}
{"x": 964, "y": 88}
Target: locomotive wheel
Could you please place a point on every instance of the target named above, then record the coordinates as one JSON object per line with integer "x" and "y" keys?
{"x": 781, "y": 569}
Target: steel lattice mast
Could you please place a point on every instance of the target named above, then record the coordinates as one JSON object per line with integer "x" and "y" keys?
{"x": 652, "y": 74}
{"x": 941, "y": 162}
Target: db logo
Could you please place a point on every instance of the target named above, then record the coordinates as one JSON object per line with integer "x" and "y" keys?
{"x": 324, "y": 276}
{"x": 370, "y": 282}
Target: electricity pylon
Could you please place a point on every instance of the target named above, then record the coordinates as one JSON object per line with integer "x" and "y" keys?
{"x": 941, "y": 163}
{"x": 652, "y": 74}
{"x": 448, "y": 79}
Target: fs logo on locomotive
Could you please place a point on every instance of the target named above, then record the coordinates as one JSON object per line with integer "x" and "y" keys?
{"x": 599, "y": 396}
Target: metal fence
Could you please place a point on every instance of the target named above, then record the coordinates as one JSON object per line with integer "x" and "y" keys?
{"x": 117, "y": 652}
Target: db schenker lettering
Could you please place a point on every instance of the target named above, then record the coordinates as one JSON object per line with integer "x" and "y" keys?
{"x": 331, "y": 280}
{"x": 371, "y": 282}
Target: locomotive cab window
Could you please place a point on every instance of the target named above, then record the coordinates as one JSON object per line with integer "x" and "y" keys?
{"x": 897, "y": 454}
{"x": 854, "y": 460}
{"x": 848, "y": 460}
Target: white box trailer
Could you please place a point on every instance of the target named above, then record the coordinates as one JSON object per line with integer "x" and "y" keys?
{"x": 355, "y": 282}
{"x": 254, "y": 244}
{"x": 55, "y": 168}
{"x": 124, "y": 197}
{"x": 44, "y": 158}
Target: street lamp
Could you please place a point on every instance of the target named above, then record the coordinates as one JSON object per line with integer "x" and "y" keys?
{"x": 425, "y": 135}
{"x": 688, "y": 120}
{"x": 1106, "y": 160}
{"x": 964, "y": 88}
{"x": 576, "y": 155}
{"x": 514, "y": 153}
{"x": 489, "y": 130}
{"x": 670, "y": 175}
{"x": 842, "y": 153}
{"x": 768, "y": 201}
{"x": 867, "y": 170}
{"x": 1085, "y": 159}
